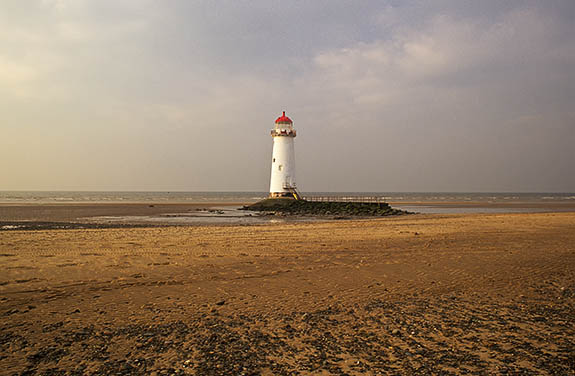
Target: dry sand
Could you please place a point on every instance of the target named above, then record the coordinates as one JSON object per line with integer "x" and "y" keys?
{"x": 420, "y": 294}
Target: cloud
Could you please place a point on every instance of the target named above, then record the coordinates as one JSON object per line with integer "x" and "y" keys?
{"x": 456, "y": 93}
{"x": 447, "y": 49}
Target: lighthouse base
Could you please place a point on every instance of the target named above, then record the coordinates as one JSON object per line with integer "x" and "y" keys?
{"x": 292, "y": 193}
{"x": 281, "y": 195}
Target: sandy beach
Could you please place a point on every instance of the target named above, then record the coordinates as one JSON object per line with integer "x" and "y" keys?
{"x": 418, "y": 294}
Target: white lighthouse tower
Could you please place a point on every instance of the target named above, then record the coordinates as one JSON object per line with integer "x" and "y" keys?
{"x": 282, "y": 182}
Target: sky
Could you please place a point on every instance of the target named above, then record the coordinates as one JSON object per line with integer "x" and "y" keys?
{"x": 386, "y": 96}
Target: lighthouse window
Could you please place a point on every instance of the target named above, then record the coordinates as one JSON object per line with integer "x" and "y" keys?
{"x": 280, "y": 167}
{"x": 274, "y": 160}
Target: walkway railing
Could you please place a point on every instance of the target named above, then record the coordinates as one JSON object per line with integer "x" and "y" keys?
{"x": 365, "y": 199}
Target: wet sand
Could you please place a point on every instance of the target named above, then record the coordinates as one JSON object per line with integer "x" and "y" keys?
{"x": 539, "y": 206}
{"x": 420, "y": 294}
{"x": 78, "y": 211}
{"x": 106, "y": 215}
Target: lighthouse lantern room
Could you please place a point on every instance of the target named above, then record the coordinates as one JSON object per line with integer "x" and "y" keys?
{"x": 282, "y": 182}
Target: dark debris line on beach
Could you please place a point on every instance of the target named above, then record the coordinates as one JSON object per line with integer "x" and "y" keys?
{"x": 446, "y": 335}
{"x": 43, "y": 225}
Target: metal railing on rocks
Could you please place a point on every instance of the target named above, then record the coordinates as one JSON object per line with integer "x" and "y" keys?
{"x": 362, "y": 199}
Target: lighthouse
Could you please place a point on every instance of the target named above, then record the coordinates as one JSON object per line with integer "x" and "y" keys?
{"x": 282, "y": 181}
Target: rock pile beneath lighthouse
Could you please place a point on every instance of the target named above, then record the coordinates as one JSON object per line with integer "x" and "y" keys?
{"x": 313, "y": 208}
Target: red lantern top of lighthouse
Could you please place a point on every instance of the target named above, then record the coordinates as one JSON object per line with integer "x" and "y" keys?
{"x": 283, "y": 119}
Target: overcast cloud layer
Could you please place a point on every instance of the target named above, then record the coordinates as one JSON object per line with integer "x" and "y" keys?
{"x": 444, "y": 95}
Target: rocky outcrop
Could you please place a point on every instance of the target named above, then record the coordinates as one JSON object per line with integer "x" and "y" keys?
{"x": 305, "y": 208}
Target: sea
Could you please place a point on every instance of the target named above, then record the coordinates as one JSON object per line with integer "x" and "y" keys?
{"x": 207, "y": 197}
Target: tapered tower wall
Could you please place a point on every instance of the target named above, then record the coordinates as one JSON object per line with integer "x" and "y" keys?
{"x": 283, "y": 165}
